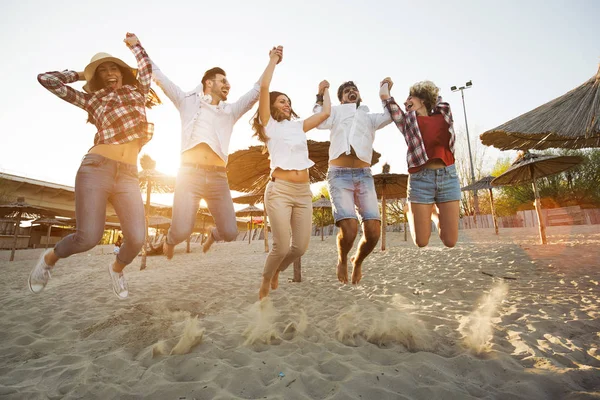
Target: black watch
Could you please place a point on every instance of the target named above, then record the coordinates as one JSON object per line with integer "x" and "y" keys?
{"x": 319, "y": 98}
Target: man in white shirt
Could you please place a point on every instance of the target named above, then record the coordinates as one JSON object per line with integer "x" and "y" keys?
{"x": 349, "y": 179}
{"x": 206, "y": 127}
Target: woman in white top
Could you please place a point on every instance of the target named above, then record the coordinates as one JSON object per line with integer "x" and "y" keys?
{"x": 288, "y": 199}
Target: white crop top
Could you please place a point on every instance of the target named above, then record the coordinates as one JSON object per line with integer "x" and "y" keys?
{"x": 287, "y": 145}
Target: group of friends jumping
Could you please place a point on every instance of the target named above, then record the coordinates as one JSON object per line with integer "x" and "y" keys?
{"x": 116, "y": 96}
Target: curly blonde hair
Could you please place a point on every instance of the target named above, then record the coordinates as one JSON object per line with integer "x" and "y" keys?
{"x": 427, "y": 92}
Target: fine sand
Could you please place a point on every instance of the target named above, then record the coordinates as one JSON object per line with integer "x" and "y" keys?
{"x": 493, "y": 318}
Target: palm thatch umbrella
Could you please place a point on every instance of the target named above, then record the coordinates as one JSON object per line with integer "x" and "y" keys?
{"x": 570, "y": 121}
{"x": 152, "y": 181}
{"x": 529, "y": 167}
{"x": 482, "y": 184}
{"x": 159, "y": 221}
{"x": 389, "y": 186}
{"x": 322, "y": 204}
{"x": 249, "y": 211}
{"x": 251, "y": 199}
{"x": 19, "y": 211}
{"x": 50, "y": 222}
{"x": 249, "y": 170}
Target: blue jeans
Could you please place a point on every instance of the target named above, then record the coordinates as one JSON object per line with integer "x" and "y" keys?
{"x": 429, "y": 186}
{"x": 100, "y": 179}
{"x": 352, "y": 190}
{"x": 194, "y": 184}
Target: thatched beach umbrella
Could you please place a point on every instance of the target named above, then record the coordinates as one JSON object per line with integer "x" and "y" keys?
{"x": 389, "y": 186}
{"x": 152, "y": 181}
{"x": 50, "y": 222}
{"x": 321, "y": 204}
{"x": 528, "y": 168}
{"x": 249, "y": 170}
{"x": 570, "y": 121}
{"x": 482, "y": 184}
{"x": 251, "y": 199}
{"x": 159, "y": 221}
{"x": 249, "y": 211}
{"x": 20, "y": 211}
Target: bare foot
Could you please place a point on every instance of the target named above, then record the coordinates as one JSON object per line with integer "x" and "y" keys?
{"x": 275, "y": 281}
{"x": 264, "y": 288}
{"x": 168, "y": 250}
{"x": 209, "y": 242}
{"x": 356, "y": 271}
{"x": 342, "y": 272}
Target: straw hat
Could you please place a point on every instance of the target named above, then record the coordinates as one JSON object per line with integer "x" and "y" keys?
{"x": 98, "y": 59}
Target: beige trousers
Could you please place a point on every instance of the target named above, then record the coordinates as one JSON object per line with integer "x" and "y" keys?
{"x": 289, "y": 208}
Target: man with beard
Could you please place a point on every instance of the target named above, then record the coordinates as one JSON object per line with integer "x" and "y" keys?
{"x": 206, "y": 127}
{"x": 349, "y": 179}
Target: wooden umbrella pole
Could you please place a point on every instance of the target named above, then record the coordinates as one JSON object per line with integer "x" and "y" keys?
{"x": 249, "y": 230}
{"x": 538, "y": 209}
{"x": 266, "y": 230}
{"x": 493, "y": 211}
{"x": 146, "y": 244}
{"x": 383, "y": 217}
{"x": 322, "y": 222}
{"x": 14, "y": 246}
{"x": 48, "y": 235}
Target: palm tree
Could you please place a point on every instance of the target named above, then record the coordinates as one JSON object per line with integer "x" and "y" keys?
{"x": 152, "y": 181}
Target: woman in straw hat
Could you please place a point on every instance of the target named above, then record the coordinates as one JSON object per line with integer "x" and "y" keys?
{"x": 433, "y": 185}
{"x": 115, "y": 98}
{"x": 288, "y": 198}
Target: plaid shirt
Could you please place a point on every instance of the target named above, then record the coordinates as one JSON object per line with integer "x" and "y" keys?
{"x": 119, "y": 115}
{"x": 408, "y": 125}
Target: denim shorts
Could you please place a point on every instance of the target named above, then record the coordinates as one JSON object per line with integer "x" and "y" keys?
{"x": 352, "y": 191}
{"x": 429, "y": 186}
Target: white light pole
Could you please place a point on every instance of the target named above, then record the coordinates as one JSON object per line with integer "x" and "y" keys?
{"x": 475, "y": 199}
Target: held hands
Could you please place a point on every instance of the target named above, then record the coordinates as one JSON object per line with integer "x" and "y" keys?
{"x": 131, "y": 40}
{"x": 384, "y": 88}
{"x": 276, "y": 53}
{"x": 387, "y": 80}
{"x": 324, "y": 85}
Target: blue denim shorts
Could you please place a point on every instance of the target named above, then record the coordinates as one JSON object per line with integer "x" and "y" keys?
{"x": 429, "y": 186}
{"x": 352, "y": 191}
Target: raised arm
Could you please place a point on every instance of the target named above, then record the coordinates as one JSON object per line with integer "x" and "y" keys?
{"x": 171, "y": 90}
{"x": 264, "y": 103}
{"x": 390, "y": 104}
{"x": 245, "y": 103}
{"x": 144, "y": 75}
{"x": 328, "y": 122}
{"x": 318, "y": 118}
{"x": 56, "y": 82}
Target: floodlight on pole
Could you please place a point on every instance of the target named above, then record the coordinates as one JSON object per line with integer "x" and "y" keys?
{"x": 468, "y": 85}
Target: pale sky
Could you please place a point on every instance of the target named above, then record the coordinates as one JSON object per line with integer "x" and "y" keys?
{"x": 519, "y": 55}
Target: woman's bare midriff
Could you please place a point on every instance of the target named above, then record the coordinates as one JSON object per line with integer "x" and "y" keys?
{"x": 202, "y": 154}
{"x": 125, "y": 153}
{"x": 435, "y": 163}
{"x": 294, "y": 176}
{"x": 349, "y": 161}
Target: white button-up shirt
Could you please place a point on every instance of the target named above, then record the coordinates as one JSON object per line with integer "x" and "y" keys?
{"x": 202, "y": 122}
{"x": 353, "y": 128}
{"x": 287, "y": 145}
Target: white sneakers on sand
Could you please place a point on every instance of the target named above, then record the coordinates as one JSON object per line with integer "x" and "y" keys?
{"x": 119, "y": 284}
{"x": 39, "y": 276}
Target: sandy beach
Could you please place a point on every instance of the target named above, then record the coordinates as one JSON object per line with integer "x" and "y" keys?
{"x": 493, "y": 318}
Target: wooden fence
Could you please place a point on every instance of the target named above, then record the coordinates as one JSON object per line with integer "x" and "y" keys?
{"x": 528, "y": 218}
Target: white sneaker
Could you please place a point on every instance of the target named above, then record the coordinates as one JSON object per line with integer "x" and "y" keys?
{"x": 119, "y": 284}
{"x": 39, "y": 276}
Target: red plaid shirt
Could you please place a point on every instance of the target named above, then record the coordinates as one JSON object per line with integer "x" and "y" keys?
{"x": 408, "y": 125}
{"x": 119, "y": 115}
